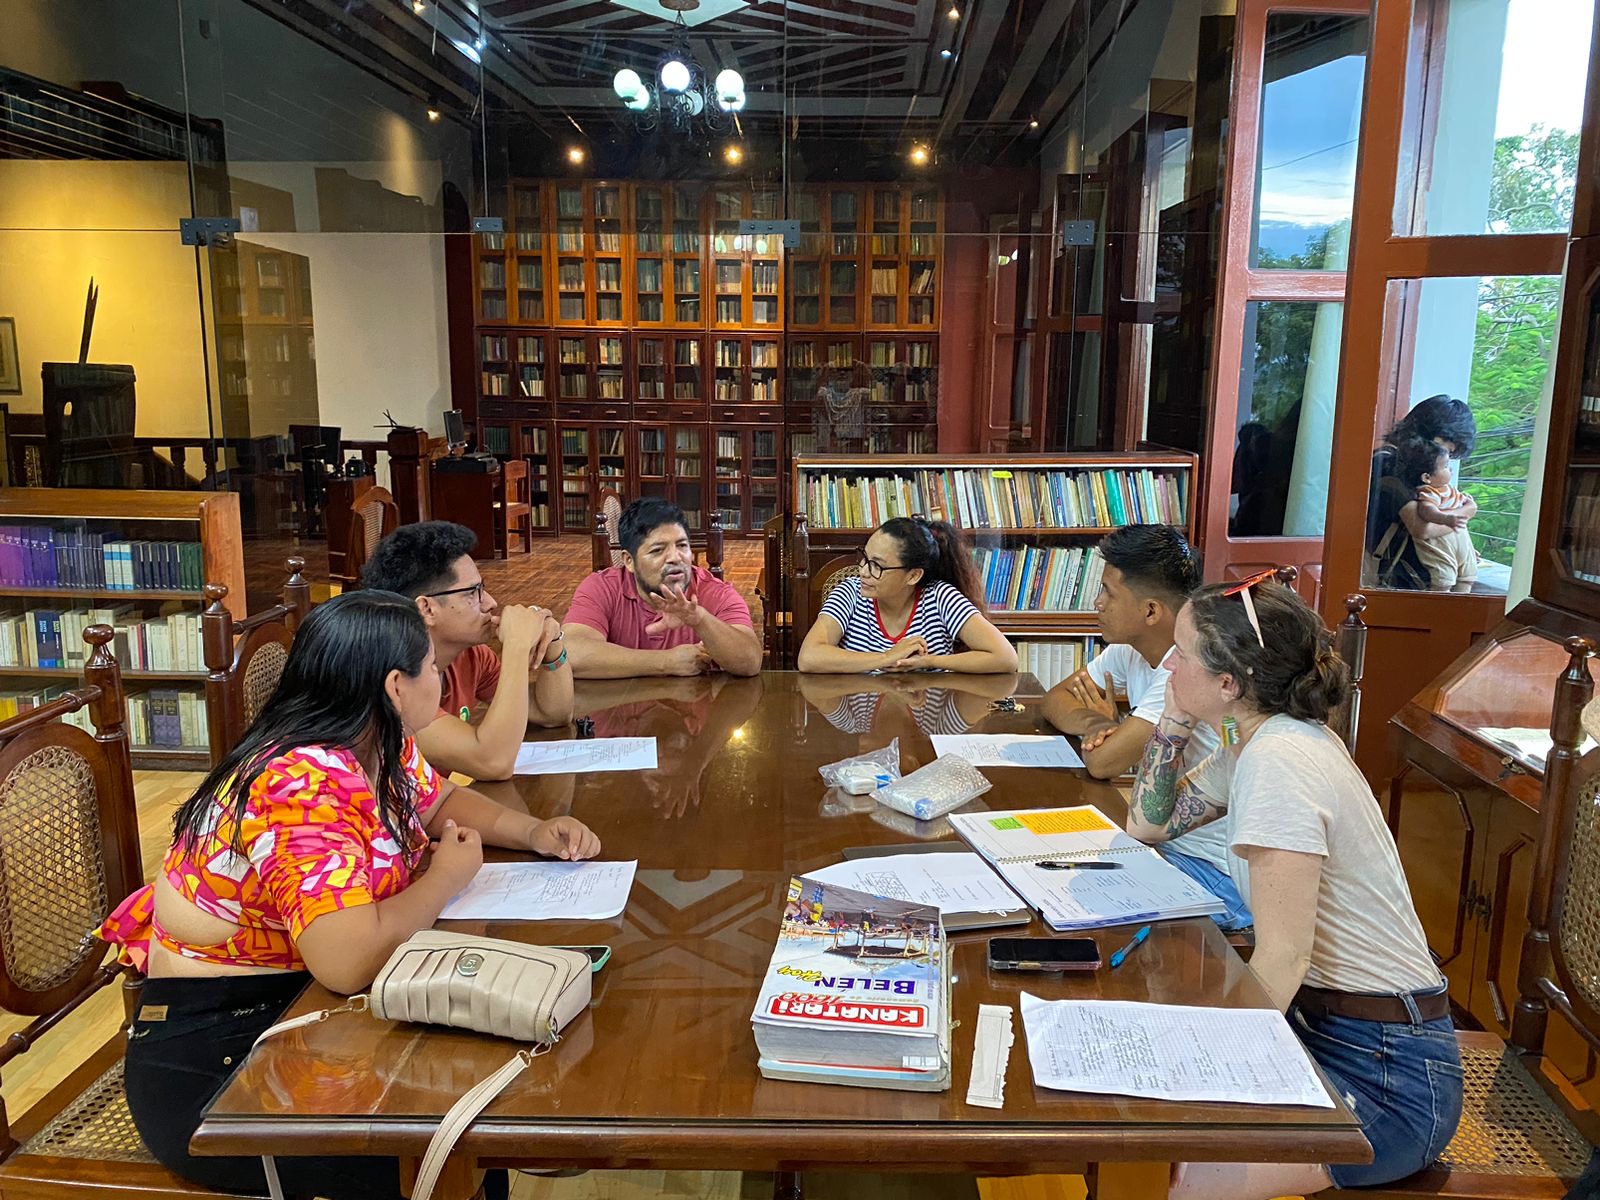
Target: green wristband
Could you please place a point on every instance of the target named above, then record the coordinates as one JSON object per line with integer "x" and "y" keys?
{"x": 556, "y": 666}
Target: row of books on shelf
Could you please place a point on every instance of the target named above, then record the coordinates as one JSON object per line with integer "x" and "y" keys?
{"x": 161, "y": 718}
{"x": 1022, "y": 498}
{"x": 41, "y": 556}
{"x": 53, "y": 639}
{"x": 1052, "y": 661}
{"x": 1040, "y": 578}
{"x": 761, "y": 391}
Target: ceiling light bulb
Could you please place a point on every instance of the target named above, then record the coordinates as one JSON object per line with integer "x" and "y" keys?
{"x": 433, "y": 113}
{"x": 733, "y": 155}
{"x": 954, "y": 14}
{"x": 674, "y": 75}
{"x": 575, "y": 155}
{"x": 947, "y": 54}
{"x": 627, "y": 84}
{"x": 730, "y": 86}
{"x": 639, "y": 101}
{"x": 1033, "y": 124}
{"x": 419, "y": 7}
{"x": 919, "y": 155}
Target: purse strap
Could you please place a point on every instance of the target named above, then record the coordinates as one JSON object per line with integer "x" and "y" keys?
{"x": 452, "y": 1125}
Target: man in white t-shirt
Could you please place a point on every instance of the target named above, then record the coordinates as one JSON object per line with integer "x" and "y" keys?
{"x": 1149, "y": 572}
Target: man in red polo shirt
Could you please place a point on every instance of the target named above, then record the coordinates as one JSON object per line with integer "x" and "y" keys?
{"x": 658, "y": 613}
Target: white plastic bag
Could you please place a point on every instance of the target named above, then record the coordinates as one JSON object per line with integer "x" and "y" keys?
{"x": 942, "y": 786}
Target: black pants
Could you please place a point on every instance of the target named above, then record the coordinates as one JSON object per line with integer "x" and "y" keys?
{"x": 177, "y": 1065}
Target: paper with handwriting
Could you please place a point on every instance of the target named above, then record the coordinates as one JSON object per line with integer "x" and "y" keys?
{"x": 586, "y": 754}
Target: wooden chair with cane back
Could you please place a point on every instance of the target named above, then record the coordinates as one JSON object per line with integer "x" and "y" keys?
{"x": 373, "y": 517}
{"x": 245, "y": 659}
{"x": 1525, "y": 1132}
{"x": 605, "y": 547}
{"x": 69, "y": 854}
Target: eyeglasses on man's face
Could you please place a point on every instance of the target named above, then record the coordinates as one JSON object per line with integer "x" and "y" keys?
{"x": 872, "y": 568}
{"x": 475, "y": 590}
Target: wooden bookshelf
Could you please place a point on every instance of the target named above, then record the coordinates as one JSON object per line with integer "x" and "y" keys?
{"x": 643, "y": 305}
{"x": 1033, "y": 520}
{"x": 210, "y": 519}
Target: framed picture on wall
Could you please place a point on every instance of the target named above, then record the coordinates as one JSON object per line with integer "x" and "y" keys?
{"x": 10, "y": 367}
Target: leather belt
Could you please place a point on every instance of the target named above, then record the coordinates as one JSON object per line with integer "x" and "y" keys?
{"x": 1320, "y": 1002}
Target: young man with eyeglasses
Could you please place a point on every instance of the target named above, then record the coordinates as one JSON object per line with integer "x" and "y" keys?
{"x": 658, "y": 613}
{"x": 431, "y": 562}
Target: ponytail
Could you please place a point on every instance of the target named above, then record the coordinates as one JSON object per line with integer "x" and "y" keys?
{"x": 940, "y": 551}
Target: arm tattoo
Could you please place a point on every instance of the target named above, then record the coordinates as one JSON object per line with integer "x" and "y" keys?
{"x": 1155, "y": 789}
{"x": 1190, "y": 811}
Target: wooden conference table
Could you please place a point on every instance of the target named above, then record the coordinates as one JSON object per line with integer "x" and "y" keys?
{"x": 661, "y": 1073}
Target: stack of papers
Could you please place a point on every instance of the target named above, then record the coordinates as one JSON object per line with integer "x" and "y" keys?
{"x": 1169, "y": 1052}
{"x": 1038, "y": 852}
{"x": 543, "y": 891}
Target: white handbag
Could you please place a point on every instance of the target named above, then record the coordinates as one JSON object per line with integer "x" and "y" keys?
{"x": 509, "y": 989}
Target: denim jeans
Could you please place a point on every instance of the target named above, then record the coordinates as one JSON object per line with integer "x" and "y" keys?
{"x": 1216, "y": 881}
{"x": 1401, "y": 1079}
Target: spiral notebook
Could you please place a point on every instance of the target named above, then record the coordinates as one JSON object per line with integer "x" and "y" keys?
{"x": 1141, "y": 886}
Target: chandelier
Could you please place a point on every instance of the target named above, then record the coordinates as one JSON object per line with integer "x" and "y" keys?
{"x": 680, "y": 92}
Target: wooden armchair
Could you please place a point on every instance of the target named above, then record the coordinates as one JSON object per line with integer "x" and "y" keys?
{"x": 373, "y": 517}
{"x": 606, "y": 551}
{"x": 245, "y": 659}
{"x": 1525, "y": 1132}
{"x": 69, "y": 838}
{"x": 513, "y": 505}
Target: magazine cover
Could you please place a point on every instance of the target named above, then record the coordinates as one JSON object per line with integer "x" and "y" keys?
{"x": 851, "y": 970}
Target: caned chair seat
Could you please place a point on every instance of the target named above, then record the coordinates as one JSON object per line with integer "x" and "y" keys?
{"x": 81, "y": 1136}
{"x": 1514, "y": 1140}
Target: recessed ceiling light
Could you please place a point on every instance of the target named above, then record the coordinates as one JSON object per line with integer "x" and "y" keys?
{"x": 732, "y": 154}
{"x": 954, "y": 14}
{"x": 919, "y": 155}
{"x": 419, "y": 7}
{"x": 1033, "y": 124}
{"x": 575, "y": 155}
{"x": 947, "y": 54}
{"x": 433, "y": 112}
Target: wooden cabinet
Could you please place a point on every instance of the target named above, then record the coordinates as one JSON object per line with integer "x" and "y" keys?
{"x": 135, "y": 560}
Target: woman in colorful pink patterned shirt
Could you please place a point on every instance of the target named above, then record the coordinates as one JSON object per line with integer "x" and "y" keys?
{"x": 302, "y": 854}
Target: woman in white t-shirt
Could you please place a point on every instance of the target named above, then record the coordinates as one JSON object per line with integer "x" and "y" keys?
{"x": 1338, "y": 944}
{"x": 915, "y": 596}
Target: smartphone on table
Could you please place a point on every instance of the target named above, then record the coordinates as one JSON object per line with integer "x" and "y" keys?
{"x": 1043, "y": 954}
{"x": 598, "y": 955}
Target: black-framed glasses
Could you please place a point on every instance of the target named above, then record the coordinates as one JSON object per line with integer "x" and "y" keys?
{"x": 872, "y": 568}
{"x": 476, "y": 589}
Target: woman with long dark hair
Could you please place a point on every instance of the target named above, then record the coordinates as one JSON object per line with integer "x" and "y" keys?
{"x": 301, "y": 856}
{"x": 915, "y": 596}
{"x": 1339, "y": 947}
{"x": 1393, "y": 560}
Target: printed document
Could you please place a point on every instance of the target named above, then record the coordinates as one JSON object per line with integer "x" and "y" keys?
{"x": 1008, "y": 749}
{"x": 955, "y": 883}
{"x": 586, "y": 754}
{"x": 543, "y": 891}
{"x": 1169, "y": 1052}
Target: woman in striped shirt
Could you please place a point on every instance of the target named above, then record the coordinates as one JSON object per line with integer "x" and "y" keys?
{"x": 914, "y": 598}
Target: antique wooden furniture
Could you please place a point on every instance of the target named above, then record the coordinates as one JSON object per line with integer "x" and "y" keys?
{"x": 772, "y": 589}
{"x": 342, "y": 495}
{"x": 718, "y": 830}
{"x": 316, "y": 450}
{"x": 1525, "y": 1132}
{"x": 513, "y": 508}
{"x": 160, "y": 619}
{"x": 1350, "y": 640}
{"x": 245, "y": 659}
{"x": 70, "y": 839}
{"x": 374, "y": 517}
{"x": 629, "y": 337}
{"x": 468, "y": 498}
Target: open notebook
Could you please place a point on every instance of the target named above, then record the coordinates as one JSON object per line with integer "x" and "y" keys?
{"x": 1141, "y": 886}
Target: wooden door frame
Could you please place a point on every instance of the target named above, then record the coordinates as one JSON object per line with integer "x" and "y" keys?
{"x": 1404, "y": 73}
{"x": 1240, "y": 285}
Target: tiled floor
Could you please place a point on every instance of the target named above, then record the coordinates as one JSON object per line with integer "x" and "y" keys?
{"x": 548, "y": 576}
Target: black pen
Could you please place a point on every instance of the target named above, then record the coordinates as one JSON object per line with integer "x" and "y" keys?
{"x": 1091, "y": 864}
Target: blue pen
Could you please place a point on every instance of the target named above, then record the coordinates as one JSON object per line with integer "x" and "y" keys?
{"x": 1120, "y": 955}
